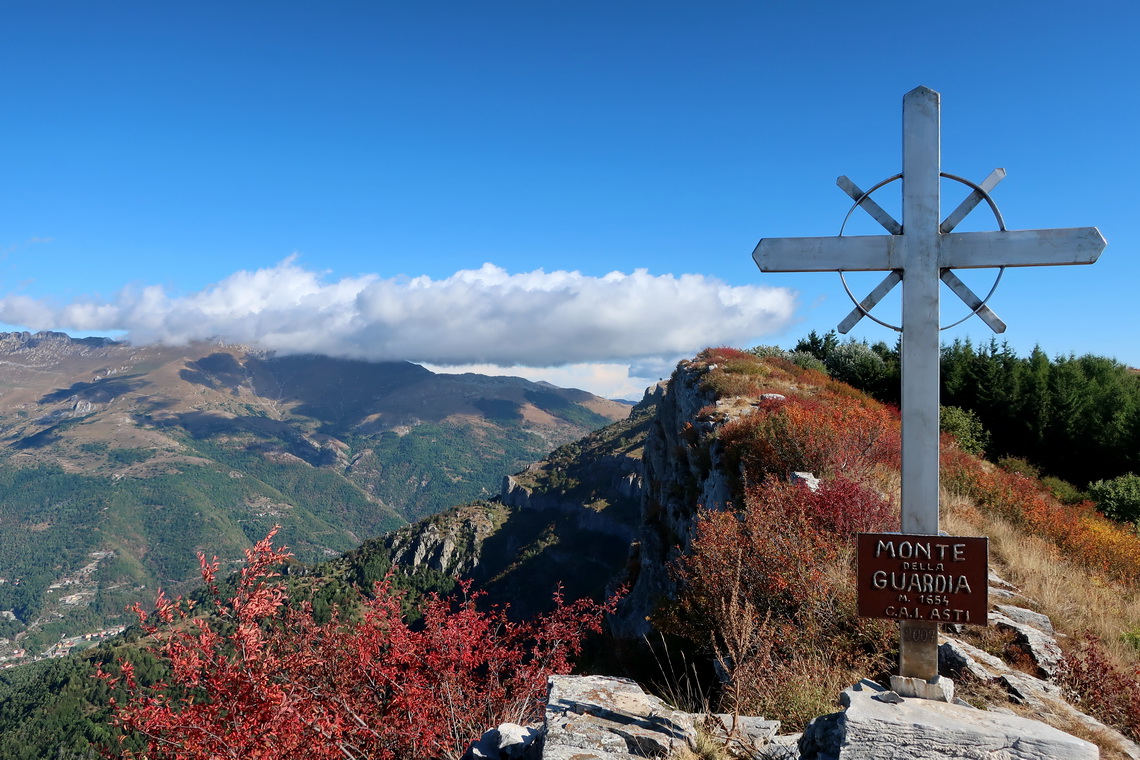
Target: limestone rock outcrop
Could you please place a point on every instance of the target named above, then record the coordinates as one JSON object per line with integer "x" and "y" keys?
{"x": 682, "y": 472}
{"x": 604, "y": 718}
{"x": 452, "y": 547}
{"x": 874, "y": 728}
{"x": 601, "y": 718}
{"x": 624, "y": 477}
{"x": 1033, "y": 634}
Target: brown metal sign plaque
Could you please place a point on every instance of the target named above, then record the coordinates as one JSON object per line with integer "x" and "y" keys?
{"x": 937, "y": 579}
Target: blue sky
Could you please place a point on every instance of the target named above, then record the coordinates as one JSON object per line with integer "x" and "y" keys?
{"x": 527, "y": 185}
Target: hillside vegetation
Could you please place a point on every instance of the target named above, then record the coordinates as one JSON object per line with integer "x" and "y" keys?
{"x": 1074, "y": 417}
{"x": 767, "y": 586}
{"x": 738, "y": 570}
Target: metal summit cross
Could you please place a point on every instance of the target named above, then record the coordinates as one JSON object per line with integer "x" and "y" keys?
{"x": 920, "y": 252}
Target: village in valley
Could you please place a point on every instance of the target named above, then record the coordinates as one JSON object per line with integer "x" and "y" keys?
{"x": 72, "y": 590}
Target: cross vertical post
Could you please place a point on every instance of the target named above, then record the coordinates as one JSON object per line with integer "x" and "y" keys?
{"x": 918, "y": 647}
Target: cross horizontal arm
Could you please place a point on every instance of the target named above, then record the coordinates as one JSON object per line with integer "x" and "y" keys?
{"x": 1021, "y": 248}
{"x": 829, "y": 254}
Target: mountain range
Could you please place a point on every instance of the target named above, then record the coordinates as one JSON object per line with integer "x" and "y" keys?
{"x": 118, "y": 463}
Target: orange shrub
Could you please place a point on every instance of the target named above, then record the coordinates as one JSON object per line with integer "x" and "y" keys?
{"x": 1084, "y": 535}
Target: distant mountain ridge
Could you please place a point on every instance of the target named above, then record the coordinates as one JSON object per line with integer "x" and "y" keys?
{"x": 134, "y": 457}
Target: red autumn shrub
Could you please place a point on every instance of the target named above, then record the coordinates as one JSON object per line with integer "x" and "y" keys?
{"x": 1098, "y": 687}
{"x": 781, "y": 548}
{"x": 722, "y": 354}
{"x": 844, "y": 507}
{"x": 826, "y": 435}
{"x": 803, "y": 376}
{"x": 776, "y": 553}
{"x": 767, "y": 589}
{"x": 260, "y": 680}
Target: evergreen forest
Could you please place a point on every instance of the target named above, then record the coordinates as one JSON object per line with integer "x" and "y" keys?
{"x": 1071, "y": 417}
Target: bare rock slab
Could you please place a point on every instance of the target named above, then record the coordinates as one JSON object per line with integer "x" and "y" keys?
{"x": 747, "y": 733}
{"x": 919, "y": 729}
{"x": 956, "y": 657}
{"x": 603, "y": 718}
{"x": 941, "y": 689}
{"x": 1027, "y": 617}
{"x": 1041, "y": 646}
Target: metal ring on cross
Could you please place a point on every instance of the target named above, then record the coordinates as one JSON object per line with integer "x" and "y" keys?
{"x": 973, "y": 186}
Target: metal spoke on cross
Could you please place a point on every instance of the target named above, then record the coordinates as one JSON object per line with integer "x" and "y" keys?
{"x": 920, "y": 252}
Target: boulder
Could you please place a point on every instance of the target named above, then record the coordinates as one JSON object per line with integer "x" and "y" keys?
{"x": 603, "y": 718}
{"x": 807, "y": 479}
{"x": 1027, "y": 617}
{"x": 956, "y": 657}
{"x": 940, "y": 689}
{"x": 784, "y": 747}
{"x": 751, "y": 734}
{"x": 1041, "y": 646}
{"x": 1027, "y": 690}
{"x": 509, "y": 741}
{"x": 919, "y": 729}
{"x": 1003, "y": 593}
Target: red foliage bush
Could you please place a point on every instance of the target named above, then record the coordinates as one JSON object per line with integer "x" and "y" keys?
{"x": 260, "y": 680}
{"x": 725, "y": 354}
{"x": 780, "y": 547}
{"x": 767, "y": 590}
{"x": 1098, "y": 687}
{"x": 774, "y": 551}
{"x": 843, "y": 507}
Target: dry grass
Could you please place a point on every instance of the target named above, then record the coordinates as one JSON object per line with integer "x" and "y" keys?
{"x": 1060, "y": 716}
{"x": 706, "y": 747}
{"x": 1110, "y": 748}
{"x": 1077, "y": 601}
{"x": 981, "y": 694}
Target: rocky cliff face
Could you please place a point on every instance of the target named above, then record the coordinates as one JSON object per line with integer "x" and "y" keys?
{"x": 451, "y": 544}
{"x": 628, "y": 494}
{"x": 683, "y": 471}
{"x": 620, "y": 476}
{"x": 670, "y": 463}
{"x": 568, "y": 519}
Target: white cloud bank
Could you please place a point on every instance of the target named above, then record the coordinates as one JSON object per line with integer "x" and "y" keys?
{"x": 482, "y": 316}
